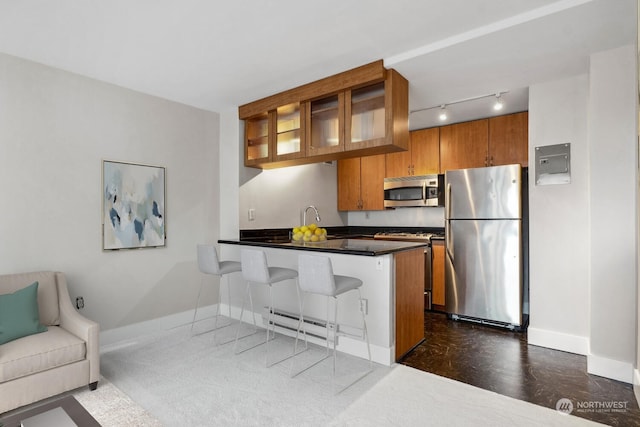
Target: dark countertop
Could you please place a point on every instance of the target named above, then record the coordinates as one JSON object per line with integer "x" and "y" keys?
{"x": 363, "y": 247}
{"x": 337, "y": 232}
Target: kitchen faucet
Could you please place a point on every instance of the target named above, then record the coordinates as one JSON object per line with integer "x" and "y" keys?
{"x": 304, "y": 217}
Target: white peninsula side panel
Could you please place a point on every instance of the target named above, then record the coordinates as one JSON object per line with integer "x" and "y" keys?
{"x": 377, "y": 274}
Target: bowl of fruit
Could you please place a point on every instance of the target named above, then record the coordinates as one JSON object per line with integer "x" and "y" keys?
{"x": 309, "y": 234}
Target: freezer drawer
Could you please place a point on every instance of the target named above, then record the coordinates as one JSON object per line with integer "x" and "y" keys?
{"x": 483, "y": 270}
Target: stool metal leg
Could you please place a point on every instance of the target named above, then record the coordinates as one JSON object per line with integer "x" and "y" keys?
{"x": 238, "y": 337}
{"x": 195, "y": 311}
{"x": 215, "y": 325}
{"x": 217, "y": 315}
{"x": 332, "y": 333}
{"x": 326, "y": 355}
{"x": 366, "y": 336}
{"x": 271, "y": 328}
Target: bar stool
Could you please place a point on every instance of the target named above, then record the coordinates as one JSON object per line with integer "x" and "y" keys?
{"x": 209, "y": 263}
{"x": 256, "y": 271}
{"x": 316, "y": 277}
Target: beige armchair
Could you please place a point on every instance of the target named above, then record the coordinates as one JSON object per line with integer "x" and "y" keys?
{"x": 63, "y": 358}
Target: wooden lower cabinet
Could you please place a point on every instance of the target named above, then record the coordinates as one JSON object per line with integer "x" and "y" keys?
{"x": 409, "y": 289}
{"x": 437, "y": 273}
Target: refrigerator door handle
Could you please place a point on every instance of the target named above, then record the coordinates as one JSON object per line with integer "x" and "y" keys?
{"x": 447, "y": 201}
{"x": 448, "y": 246}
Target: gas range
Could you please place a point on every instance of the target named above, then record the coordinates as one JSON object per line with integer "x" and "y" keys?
{"x": 406, "y": 236}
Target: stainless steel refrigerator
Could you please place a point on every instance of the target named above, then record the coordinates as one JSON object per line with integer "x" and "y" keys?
{"x": 486, "y": 263}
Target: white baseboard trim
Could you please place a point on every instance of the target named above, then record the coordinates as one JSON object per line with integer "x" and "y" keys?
{"x": 382, "y": 355}
{"x": 127, "y": 335}
{"x": 116, "y": 338}
{"x": 609, "y": 368}
{"x": 636, "y": 384}
{"x": 558, "y": 341}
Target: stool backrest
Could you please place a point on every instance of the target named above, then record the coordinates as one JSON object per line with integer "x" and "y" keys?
{"x": 315, "y": 275}
{"x": 254, "y": 265}
{"x": 208, "y": 262}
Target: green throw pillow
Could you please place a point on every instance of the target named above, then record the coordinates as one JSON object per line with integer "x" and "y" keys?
{"x": 19, "y": 315}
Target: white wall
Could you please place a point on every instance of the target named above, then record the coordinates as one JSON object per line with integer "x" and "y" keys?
{"x": 279, "y": 196}
{"x": 613, "y": 178}
{"x": 231, "y": 156}
{"x": 583, "y": 246}
{"x": 559, "y": 220}
{"x": 55, "y": 130}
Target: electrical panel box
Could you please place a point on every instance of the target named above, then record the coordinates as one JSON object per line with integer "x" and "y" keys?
{"x": 553, "y": 164}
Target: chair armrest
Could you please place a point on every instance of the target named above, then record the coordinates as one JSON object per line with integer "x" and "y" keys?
{"x": 80, "y": 326}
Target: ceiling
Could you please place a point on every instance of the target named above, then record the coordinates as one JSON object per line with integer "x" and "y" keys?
{"x": 216, "y": 55}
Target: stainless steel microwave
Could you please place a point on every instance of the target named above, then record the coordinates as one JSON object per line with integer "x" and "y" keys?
{"x": 414, "y": 191}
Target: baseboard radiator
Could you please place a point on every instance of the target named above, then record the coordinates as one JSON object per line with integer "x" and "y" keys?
{"x": 288, "y": 322}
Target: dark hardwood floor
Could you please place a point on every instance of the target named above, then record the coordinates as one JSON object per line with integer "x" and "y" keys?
{"x": 501, "y": 361}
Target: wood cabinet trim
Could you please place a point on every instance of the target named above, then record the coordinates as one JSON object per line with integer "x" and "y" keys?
{"x": 365, "y": 74}
{"x": 409, "y": 300}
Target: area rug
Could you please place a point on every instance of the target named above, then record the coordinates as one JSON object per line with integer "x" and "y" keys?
{"x": 409, "y": 397}
{"x": 112, "y": 408}
{"x": 185, "y": 380}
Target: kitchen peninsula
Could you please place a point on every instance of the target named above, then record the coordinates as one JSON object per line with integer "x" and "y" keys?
{"x": 392, "y": 273}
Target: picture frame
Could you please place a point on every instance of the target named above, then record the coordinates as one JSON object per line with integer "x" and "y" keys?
{"x": 133, "y": 206}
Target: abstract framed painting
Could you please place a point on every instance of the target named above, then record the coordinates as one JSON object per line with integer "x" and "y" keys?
{"x": 133, "y": 206}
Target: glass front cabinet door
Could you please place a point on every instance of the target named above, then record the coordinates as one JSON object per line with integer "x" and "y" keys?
{"x": 257, "y": 139}
{"x": 326, "y": 125}
{"x": 289, "y": 132}
{"x": 366, "y": 119}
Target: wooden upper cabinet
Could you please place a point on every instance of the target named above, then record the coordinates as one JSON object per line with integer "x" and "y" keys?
{"x": 372, "y": 182}
{"x": 360, "y": 112}
{"x": 289, "y": 132}
{"x": 326, "y": 125}
{"x": 360, "y": 183}
{"x": 258, "y": 139}
{"x": 509, "y": 139}
{"x": 501, "y": 140}
{"x": 349, "y": 184}
{"x": 425, "y": 151}
{"x": 422, "y": 158}
{"x": 464, "y": 145}
{"x": 377, "y": 115}
{"x": 399, "y": 164}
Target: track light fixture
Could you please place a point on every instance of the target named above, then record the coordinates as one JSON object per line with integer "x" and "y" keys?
{"x": 498, "y": 105}
{"x": 443, "y": 114}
